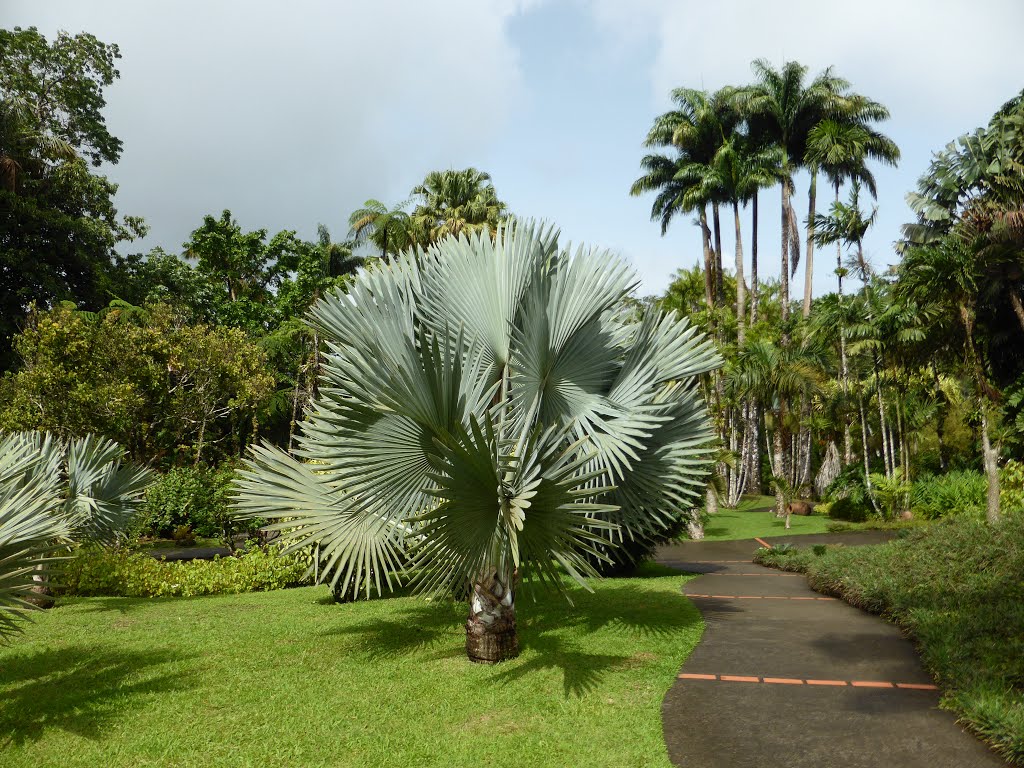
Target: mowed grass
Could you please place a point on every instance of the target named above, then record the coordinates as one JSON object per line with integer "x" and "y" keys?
{"x": 288, "y": 678}
{"x": 957, "y": 587}
{"x": 755, "y": 517}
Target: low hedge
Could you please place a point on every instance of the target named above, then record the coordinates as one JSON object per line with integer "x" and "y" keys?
{"x": 122, "y": 573}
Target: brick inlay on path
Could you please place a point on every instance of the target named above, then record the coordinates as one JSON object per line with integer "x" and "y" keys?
{"x": 804, "y": 681}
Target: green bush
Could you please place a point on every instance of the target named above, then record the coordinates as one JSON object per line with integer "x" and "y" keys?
{"x": 198, "y": 498}
{"x": 121, "y": 573}
{"x": 1011, "y": 487}
{"x": 850, "y": 509}
{"x": 961, "y": 492}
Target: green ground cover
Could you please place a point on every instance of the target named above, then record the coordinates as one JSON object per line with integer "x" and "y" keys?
{"x": 288, "y": 678}
{"x": 957, "y": 587}
{"x": 754, "y": 517}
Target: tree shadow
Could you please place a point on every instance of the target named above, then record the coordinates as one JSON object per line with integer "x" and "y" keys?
{"x": 549, "y": 627}
{"x": 78, "y": 689}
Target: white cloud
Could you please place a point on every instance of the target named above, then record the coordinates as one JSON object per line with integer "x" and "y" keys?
{"x": 291, "y": 113}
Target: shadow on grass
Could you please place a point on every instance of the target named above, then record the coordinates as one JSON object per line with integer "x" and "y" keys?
{"x": 553, "y": 633}
{"x": 78, "y": 690}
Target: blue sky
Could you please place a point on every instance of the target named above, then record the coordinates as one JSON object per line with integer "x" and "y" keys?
{"x": 293, "y": 113}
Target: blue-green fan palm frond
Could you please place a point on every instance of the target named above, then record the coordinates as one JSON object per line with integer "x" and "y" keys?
{"x": 487, "y": 406}
{"x": 32, "y": 529}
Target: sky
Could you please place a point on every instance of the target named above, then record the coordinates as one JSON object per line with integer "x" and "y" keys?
{"x": 293, "y": 113}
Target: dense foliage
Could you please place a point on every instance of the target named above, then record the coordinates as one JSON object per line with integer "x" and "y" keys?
{"x": 122, "y": 573}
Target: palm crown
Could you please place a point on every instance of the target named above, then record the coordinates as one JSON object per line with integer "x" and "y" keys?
{"x": 488, "y": 411}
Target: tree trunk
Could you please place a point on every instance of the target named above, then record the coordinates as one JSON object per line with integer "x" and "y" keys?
{"x": 864, "y": 447}
{"x": 741, "y": 297}
{"x": 709, "y": 267}
{"x": 491, "y": 627}
{"x": 991, "y": 458}
{"x": 719, "y": 290}
{"x": 779, "y": 467}
{"x": 1018, "y": 307}
{"x": 809, "y": 258}
{"x": 784, "y": 280}
{"x": 754, "y": 294}
{"x": 695, "y": 525}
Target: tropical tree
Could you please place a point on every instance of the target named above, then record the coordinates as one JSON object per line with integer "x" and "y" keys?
{"x": 456, "y": 202}
{"x": 781, "y": 108}
{"x": 492, "y": 414}
{"x": 390, "y": 229}
{"x": 53, "y": 493}
{"x": 839, "y": 146}
{"x": 58, "y": 222}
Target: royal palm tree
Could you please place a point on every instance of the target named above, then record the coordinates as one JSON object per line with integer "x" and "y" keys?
{"x": 489, "y": 414}
{"x": 781, "y": 108}
{"x": 456, "y": 202}
{"x": 390, "y": 229}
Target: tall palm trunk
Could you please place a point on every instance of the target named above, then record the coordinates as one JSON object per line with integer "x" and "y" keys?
{"x": 778, "y": 465}
{"x": 709, "y": 266}
{"x": 491, "y": 634}
{"x": 719, "y": 279}
{"x": 741, "y": 293}
{"x": 784, "y": 282}
{"x": 755, "y": 298}
{"x": 809, "y": 258}
{"x": 844, "y": 369}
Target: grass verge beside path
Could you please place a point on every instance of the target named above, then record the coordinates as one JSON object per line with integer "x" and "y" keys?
{"x": 288, "y": 678}
{"x": 957, "y": 587}
{"x": 754, "y": 517}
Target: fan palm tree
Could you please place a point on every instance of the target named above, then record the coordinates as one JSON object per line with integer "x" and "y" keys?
{"x": 455, "y": 202}
{"x": 51, "y": 494}
{"x": 489, "y": 412}
{"x": 390, "y": 229}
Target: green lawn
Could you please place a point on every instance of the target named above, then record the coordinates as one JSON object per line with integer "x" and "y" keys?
{"x": 289, "y": 678}
{"x": 957, "y": 587}
{"x": 755, "y": 517}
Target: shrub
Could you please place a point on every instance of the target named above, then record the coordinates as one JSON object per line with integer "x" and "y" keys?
{"x": 120, "y": 573}
{"x": 194, "y": 497}
{"x": 961, "y": 492}
{"x": 1011, "y": 487}
{"x": 849, "y": 509}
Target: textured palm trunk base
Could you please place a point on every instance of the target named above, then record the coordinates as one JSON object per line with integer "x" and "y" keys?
{"x": 491, "y": 627}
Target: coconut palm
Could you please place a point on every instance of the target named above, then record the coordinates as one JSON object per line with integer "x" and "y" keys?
{"x": 455, "y": 202}
{"x": 489, "y": 413}
{"x": 51, "y": 494}
{"x": 390, "y": 229}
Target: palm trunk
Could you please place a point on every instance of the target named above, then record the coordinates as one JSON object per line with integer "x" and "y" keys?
{"x": 754, "y": 295}
{"x": 719, "y": 290}
{"x": 491, "y": 634}
{"x": 991, "y": 458}
{"x": 809, "y": 258}
{"x": 741, "y": 296}
{"x": 784, "y": 282}
{"x": 864, "y": 438}
{"x": 1018, "y": 307}
{"x": 778, "y": 467}
{"x": 709, "y": 267}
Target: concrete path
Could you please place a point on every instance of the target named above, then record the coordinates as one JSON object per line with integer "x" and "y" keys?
{"x": 785, "y": 677}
